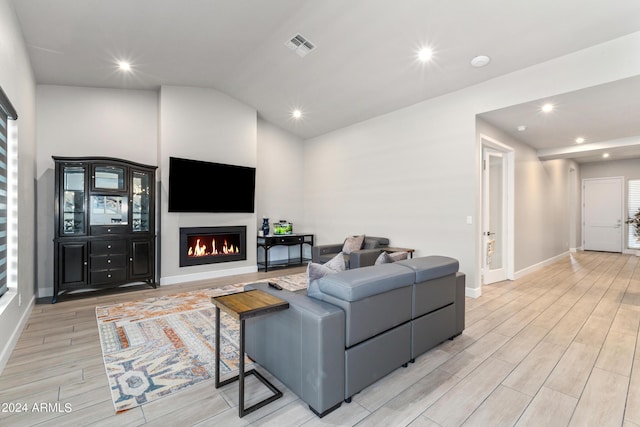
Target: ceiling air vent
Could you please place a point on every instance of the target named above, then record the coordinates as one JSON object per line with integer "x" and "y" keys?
{"x": 300, "y": 45}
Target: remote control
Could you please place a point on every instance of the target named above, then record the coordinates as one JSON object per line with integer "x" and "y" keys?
{"x": 275, "y": 286}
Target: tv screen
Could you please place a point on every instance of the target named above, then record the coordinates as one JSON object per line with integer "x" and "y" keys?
{"x": 197, "y": 186}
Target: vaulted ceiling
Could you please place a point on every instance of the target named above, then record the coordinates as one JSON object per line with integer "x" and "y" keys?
{"x": 364, "y": 62}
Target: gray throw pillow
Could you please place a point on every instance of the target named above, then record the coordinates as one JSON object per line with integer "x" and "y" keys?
{"x": 387, "y": 258}
{"x": 352, "y": 243}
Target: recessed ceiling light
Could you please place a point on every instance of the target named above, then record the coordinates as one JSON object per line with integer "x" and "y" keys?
{"x": 521, "y": 128}
{"x": 579, "y": 140}
{"x": 425, "y": 54}
{"x": 547, "y": 108}
{"x": 605, "y": 155}
{"x": 480, "y": 61}
{"x": 296, "y": 114}
{"x": 124, "y": 66}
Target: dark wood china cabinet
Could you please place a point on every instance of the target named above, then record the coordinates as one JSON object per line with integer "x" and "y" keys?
{"x": 104, "y": 223}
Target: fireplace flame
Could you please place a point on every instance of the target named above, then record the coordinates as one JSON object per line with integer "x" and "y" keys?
{"x": 201, "y": 249}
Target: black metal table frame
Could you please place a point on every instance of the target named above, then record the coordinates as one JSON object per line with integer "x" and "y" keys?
{"x": 307, "y": 239}
{"x": 242, "y": 411}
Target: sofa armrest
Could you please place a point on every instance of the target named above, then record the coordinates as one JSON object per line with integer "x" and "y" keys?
{"x": 316, "y": 251}
{"x": 363, "y": 258}
{"x": 302, "y": 346}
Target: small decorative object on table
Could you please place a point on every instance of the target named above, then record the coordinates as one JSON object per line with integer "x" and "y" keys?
{"x": 282, "y": 227}
{"x": 265, "y": 226}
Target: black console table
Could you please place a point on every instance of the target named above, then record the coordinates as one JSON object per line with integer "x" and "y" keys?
{"x": 267, "y": 242}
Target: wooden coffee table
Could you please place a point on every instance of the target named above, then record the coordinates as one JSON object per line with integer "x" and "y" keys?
{"x": 242, "y": 306}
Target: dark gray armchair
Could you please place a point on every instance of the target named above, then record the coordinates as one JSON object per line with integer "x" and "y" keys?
{"x": 371, "y": 249}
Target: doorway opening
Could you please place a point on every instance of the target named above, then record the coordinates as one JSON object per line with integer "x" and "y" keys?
{"x": 496, "y": 244}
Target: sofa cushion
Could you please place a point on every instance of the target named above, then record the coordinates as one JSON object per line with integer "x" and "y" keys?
{"x": 352, "y": 243}
{"x": 354, "y": 285}
{"x": 430, "y": 267}
{"x": 388, "y": 258}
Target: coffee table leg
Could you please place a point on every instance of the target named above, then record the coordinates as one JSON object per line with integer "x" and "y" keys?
{"x": 241, "y": 412}
{"x": 217, "y": 347}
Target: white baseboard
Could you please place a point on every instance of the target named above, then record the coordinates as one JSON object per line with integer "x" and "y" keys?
{"x": 473, "y": 292}
{"x": 13, "y": 340}
{"x": 45, "y": 292}
{"x": 174, "y": 280}
{"x": 573, "y": 250}
{"x": 539, "y": 265}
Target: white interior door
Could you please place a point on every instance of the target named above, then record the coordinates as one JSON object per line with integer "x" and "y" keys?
{"x": 602, "y": 210}
{"x": 494, "y": 216}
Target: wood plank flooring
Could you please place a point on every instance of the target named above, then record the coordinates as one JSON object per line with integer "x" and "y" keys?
{"x": 558, "y": 347}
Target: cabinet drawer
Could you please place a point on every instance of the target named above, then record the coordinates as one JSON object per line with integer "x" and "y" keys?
{"x": 102, "y": 262}
{"x": 108, "y": 247}
{"x": 288, "y": 240}
{"x": 107, "y": 276}
{"x": 101, "y": 230}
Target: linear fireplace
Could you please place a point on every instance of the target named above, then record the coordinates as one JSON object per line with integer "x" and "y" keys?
{"x": 210, "y": 245}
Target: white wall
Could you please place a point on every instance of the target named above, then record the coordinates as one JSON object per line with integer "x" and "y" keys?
{"x": 81, "y": 121}
{"x": 627, "y": 168}
{"x": 203, "y": 124}
{"x": 17, "y": 80}
{"x": 412, "y": 175}
{"x": 279, "y": 182}
{"x": 78, "y": 122}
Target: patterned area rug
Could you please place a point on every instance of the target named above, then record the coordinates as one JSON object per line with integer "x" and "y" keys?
{"x": 157, "y": 346}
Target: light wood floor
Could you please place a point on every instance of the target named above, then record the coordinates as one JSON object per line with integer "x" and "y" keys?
{"x": 557, "y": 347}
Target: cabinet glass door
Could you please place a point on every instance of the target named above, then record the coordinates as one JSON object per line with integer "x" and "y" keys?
{"x": 108, "y": 178}
{"x": 141, "y": 193}
{"x": 109, "y": 210}
{"x": 73, "y": 203}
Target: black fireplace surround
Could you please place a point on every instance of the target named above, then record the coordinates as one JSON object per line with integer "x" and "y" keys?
{"x": 210, "y": 245}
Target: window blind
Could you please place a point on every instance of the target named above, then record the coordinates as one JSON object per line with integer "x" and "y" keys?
{"x": 6, "y": 112}
{"x": 633, "y": 205}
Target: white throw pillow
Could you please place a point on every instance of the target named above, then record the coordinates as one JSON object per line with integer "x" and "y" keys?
{"x": 334, "y": 265}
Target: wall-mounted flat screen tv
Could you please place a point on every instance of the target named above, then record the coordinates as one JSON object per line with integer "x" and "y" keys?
{"x": 197, "y": 186}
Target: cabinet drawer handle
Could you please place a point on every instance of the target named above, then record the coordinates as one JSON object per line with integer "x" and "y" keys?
{"x": 131, "y": 259}
{"x": 85, "y": 263}
{"x": 108, "y": 246}
{"x": 108, "y": 275}
{"x": 108, "y": 261}
{"x": 108, "y": 230}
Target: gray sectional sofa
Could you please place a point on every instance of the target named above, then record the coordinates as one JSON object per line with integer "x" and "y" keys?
{"x": 371, "y": 248}
{"x": 356, "y": 326}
